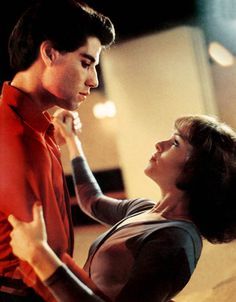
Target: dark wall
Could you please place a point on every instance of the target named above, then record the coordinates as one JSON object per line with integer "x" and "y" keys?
{"x": 10, "y": 12}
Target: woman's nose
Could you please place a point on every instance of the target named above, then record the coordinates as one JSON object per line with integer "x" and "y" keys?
{"x": 158, "y": 147}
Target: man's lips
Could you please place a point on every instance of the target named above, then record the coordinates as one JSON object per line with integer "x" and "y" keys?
{"x": 83, "y": 95}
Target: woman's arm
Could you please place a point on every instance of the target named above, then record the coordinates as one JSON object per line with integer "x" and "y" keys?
{"x": 63, "y": 284}
{"x": 68, "y": 126}
{"x": 89, "y": 195}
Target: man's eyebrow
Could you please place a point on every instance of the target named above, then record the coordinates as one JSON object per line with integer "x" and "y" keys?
{"x": 89, "y": 57}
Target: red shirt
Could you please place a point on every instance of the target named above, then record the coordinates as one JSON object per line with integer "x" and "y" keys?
{"x": 30, "y": 171}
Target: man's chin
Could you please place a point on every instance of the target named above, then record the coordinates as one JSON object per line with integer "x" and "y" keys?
{"x": 72, "y": 106}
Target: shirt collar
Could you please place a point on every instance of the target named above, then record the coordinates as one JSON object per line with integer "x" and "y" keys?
{"x": 23, "y": 105}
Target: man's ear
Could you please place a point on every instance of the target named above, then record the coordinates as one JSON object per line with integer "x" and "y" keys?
{"x": 48, "y": 53}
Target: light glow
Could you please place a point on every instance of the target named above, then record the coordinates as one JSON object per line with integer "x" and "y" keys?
{"x": 104, "y": 110}
{"x": 220, "y": 54}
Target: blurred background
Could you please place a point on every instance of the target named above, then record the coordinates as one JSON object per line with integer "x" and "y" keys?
{"x": 170, "y": 58}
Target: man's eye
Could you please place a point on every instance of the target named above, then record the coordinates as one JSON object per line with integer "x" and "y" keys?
{"x": 85, "y": 64}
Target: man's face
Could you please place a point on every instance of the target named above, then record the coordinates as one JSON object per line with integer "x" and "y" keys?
{"x": 71, "y": 75}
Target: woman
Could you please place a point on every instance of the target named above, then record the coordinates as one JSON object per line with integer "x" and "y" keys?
{"x": 152, "y": 248}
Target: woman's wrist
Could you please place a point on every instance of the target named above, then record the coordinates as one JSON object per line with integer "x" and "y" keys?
{"x": 43, "y": 260}
{"x": 74, "y": 146}
{"x": 35, "y": 252}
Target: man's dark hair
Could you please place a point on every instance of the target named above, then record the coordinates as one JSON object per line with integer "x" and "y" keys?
{"x": 66, "y": 23}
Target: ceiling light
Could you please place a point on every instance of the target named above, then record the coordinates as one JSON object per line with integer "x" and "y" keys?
{"x": 220, "y": 54}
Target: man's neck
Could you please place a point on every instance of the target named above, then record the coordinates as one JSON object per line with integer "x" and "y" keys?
{"x": 30, "y": 85}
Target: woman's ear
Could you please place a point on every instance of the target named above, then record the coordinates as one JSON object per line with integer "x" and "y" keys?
{"x": 48, "y": 53}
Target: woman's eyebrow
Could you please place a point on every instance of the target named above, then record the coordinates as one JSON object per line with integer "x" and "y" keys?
{"x": 183, "y": 137}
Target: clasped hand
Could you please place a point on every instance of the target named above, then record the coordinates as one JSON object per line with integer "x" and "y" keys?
{"x": 67, "y": 124}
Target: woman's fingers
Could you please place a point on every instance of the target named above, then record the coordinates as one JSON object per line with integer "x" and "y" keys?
{"x": 37, "y": 212}
{"x": 68, "y": 121}
{"x": 13, "y": 220}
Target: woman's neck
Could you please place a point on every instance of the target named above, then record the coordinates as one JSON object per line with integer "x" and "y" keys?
{"x": 173, "y": 205}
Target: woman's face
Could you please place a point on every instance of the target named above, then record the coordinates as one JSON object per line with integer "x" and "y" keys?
{"x": 168, "y": 160}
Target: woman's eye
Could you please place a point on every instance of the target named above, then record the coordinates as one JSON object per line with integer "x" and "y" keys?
{"x": 175, "y": 143}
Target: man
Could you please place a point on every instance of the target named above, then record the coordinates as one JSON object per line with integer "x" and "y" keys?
{"x": 54, "y": 50}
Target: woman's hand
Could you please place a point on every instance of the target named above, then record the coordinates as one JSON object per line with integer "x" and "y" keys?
{"x": 67, "y": 124}
{"x": 28, "y": 236}
{"x": 29, "y": 243}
